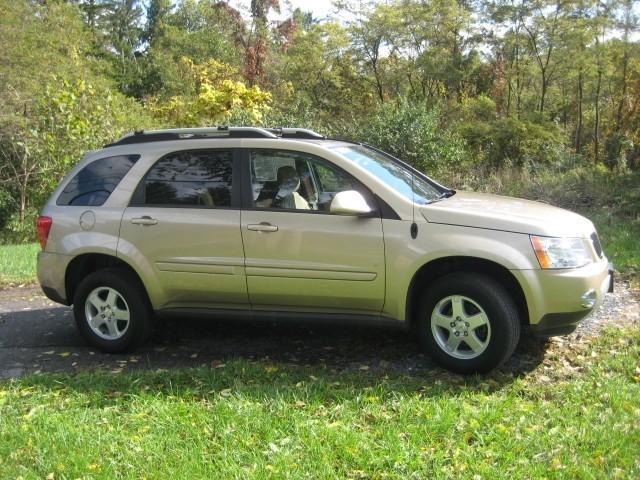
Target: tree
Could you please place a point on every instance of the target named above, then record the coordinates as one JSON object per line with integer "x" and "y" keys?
{"x": 215, "y": 96}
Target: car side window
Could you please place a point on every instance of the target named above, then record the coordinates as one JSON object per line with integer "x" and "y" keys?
{"x": 199, "y": 178}
{"x": 94, "y": 183}
{"x": 291, "y": 180}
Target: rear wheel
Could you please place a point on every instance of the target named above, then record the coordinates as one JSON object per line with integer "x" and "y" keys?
{"x": 468, "y": 322}
{"x": 112, "y": 311}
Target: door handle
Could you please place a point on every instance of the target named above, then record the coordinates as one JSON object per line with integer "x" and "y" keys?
{"x": 144, "y": 220}
{"x": 262, "y": 227}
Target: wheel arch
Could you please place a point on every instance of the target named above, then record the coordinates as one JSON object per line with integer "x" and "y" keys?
{"x": 439, "y": 267}
{"x": 87, "y": 263}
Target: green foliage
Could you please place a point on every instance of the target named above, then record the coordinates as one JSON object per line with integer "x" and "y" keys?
{"x": 411, "y": 131}
{"x": 212, "y": 95}
{"x": 617, "y": 147}
{"x": 506, "y": 142}
{"x": 70, "y": 118}
{"x": 317, "y": 69}
{"x": 74, "y": 117}
{"x": 553, "y": 85}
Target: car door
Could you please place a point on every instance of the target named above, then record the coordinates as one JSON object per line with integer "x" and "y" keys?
{"x": 183, "y": 223}
{"x": 299, "y": 256}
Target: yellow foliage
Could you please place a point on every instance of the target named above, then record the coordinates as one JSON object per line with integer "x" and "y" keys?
{"x": 216, "y": 96}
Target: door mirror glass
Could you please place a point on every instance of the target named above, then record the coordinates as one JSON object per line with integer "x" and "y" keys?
{"x": 349, "y": 202}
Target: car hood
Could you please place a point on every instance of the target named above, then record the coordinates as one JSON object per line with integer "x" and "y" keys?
{"x": 481, "y": 210}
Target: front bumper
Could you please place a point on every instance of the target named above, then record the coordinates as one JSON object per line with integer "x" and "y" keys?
{"x": 557, "y": 300}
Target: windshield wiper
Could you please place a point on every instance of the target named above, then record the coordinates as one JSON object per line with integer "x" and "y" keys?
{"x": 447, "y": 194}
{"x": 442, "y": 196}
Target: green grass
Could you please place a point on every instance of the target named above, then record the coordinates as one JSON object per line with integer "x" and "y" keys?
{"x": 620, "y": 239}
{"x": 18, "y": 263}
{"x": 576, "y": 416}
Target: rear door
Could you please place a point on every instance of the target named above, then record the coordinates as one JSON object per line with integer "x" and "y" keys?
{"x": 183, "y": 224}
{"x": 299, "y": 256}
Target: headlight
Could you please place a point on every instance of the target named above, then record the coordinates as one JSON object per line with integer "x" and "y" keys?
{"x": 561, "y": 252}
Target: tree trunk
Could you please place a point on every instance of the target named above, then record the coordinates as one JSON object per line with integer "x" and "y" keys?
{"x": 596, "y": 128}
{"x": 543, "y": 92}
{"x": 379, "y": 88}
{"x": 625, "y": 64}
{"x": 578, "y": 138}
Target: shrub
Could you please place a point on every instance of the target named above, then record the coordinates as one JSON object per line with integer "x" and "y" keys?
{"x": 412, "y": 132}
{"x": 509, "y": 142}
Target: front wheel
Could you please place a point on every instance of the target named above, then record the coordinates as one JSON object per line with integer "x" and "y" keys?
{"x": 468, "y": 323}
{"x": 112, "y": 311}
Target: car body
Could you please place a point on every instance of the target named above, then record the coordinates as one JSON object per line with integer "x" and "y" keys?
{"x": 285, "y": 223}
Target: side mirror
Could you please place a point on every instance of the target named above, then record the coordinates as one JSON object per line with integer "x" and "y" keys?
{"x": 349, "y": 202}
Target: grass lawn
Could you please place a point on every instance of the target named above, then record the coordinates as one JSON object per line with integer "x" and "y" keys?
{"x": 18, "y": 263}
{"x": 621, "y": 241}
{"x": 575, "y": 416}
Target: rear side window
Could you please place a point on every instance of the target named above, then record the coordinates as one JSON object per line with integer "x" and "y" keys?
{"x": 94, "y": 183}
{"x": 200, "y": 178}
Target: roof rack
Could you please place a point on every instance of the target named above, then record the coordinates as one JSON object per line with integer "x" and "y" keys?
{"x": 222, "y": 131}
{"x": 303, "y": 133}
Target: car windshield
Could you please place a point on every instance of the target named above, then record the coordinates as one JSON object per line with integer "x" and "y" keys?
{"x": 392, "y": 173}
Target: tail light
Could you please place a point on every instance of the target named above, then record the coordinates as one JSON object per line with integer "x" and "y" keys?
{"x": 43, "y": 225}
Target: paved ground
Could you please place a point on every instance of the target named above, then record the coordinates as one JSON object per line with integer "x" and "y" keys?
{"x": 37, "y": 335}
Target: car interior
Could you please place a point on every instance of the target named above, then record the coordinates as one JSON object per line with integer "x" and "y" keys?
{"x": 293, "y": 181}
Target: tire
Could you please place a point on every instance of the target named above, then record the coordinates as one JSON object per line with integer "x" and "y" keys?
{"x": 112, "y": 311}
{"x": 468, "y": 323}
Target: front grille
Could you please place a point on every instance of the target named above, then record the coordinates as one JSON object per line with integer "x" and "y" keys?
{"x": 596, "y": 244}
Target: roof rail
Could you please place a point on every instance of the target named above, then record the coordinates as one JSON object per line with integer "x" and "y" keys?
{"x": 302, "y": 133}
{"x": 223, "y": 131}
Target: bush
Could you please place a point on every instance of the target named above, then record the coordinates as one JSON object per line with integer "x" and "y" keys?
{"x": 412, "y": 132}
{"x": 510, "y": 142}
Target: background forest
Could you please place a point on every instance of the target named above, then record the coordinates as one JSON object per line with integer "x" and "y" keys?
{"x": 503, "y": 95}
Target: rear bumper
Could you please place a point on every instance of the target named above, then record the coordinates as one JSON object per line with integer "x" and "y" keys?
{"x": 51, "y": 274}
{"x": 558, "y": 300}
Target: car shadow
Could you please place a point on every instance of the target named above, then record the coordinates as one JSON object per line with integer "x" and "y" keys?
{"x": 46, "y": 341}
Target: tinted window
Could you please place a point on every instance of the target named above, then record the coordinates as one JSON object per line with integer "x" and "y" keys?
{"x": 196, "y": 178}
{"x": 94, "y": 183}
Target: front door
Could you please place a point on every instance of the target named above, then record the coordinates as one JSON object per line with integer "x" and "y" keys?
{"x": 184, "y": 225}
{"x": 298, "y": 255}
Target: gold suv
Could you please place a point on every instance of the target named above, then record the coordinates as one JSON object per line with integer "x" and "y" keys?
{"x": 285, "y": 223}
